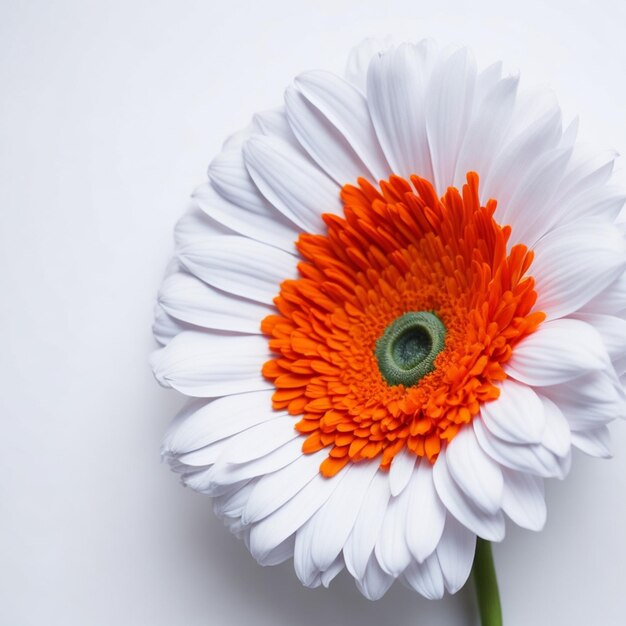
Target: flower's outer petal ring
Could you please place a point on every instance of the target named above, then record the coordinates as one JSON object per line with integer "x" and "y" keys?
{"x": 375, "y": 582}
{"x": 247, "y": 445}
{"x": 612, "y": 329}
{"x": 360, "y": 57}
{"x": 426, "y": 578}
{"x": 487, "y": 130}
{"x": 275, "y": 528}
{"x": 610, "y": 301}
{"x": 209, "y": 365}
{"x": 523, "y": 499}
{"x": 346, "y": 109}
{"x": 191, "y": 300}
{"x": 456, "y": 554}
{"x": 396, "y": 87}
{"x": 276, "y": 489}
{"x": 240, "y": 266}
{"x": 391, "y": 548}
{"x": 558, "y": 351}
{"x": 333, "y": 523}
{"x": 202, "y": 423}
{"x": 426, "y": 513}
{"x": 196, "y": 225}
{"x": 268, "y": 225}
{"x": 575, "y": 262}
{"x": 531, "y": 458}
{"x": 449, "y": 106}
{"x": 292, "y": 183}
{"x": 590, "y": 401}
{"x": 474, "y": 471}
{"x": 321, "y": 140}
{"x": 556, "y": 435}
{"x": 165, "y": 327}
{"x": 517, "y": 414}
{"x": 595, "y": 442}
{"x": 401, "y": 471}
{"x": 518, "y": 154}
{"x": 486, "y": 525}
{"x": 362, "y": 539}
{"x": 224, "y": 473}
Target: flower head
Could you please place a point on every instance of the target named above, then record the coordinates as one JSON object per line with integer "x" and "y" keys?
{"x": 400, "y": 302}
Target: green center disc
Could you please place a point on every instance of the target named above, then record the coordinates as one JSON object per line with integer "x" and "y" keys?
{"x": 407, "y": 350}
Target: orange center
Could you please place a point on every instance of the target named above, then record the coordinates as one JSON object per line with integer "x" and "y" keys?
{"x": 397, "y": 250}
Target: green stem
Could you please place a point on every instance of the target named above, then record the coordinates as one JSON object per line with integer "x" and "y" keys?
{"x": 486, "y": 585}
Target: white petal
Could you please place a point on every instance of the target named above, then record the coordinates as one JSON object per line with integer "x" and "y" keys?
{"x": 486, "y": 81}
{"x": 486, "y": 525}
{"x": 426, "y": 578}
{"x": 600, "y": 203}
{"x": 194, "y": 225}
{"x": 556, "y": 435}
{"x": 346, "y": 109}
{"x": 264, "y": 224}
{"x": 333, "y": 570}
{"x": 449, "y": 107}
{"x": 478, "y": 475}
{"x": 224, "y": 473}
{"x": 589, "y": 169}
{"x": 360, "y": 57}
{"x": 426, "y": 515}
{"x": 533, "y": 197}
{"x": 534, "y": 107}
{"x": 391, "y": 548}
{"x": 261, "y": 439}
{"x": 558, "y": 351}
{"x": 400, "y": 471}
{"x": 274, "y": 122}
{"x": 516, "y": 415}
{"x": 273, "y": 490}
{"x": 396, "y": 88}
{"x": 610, "y": 300}
{"x": 200, "y": 424}
{"x": 165, "y": 327}
{"x": 303, "y": 564}
{"x": 590, "y": 401}
{"x": 533, "y": 458}
{"x": 275, "y": 528}
{"x": 322, "y": 141}
{"x": 487, "y": 130}
{"x": 333, "y": 523}
{"x": 292, "y": 183}
{"x": 360, "y": 543}
{"x": 595, "y": 442}
{"x": 568, "y": 138}
{"x": 456, "y": 554}
{"x": 209, "y": 365}
{"x": 575, "y": 262}
{"x": 612, "y": 330}
{"x": 233, "y": 503}
{"x": 198, "y": 480}
{"x": 281, "y": 553}
{"x": 189, "y": 299}
{"x": 519, "y": 155}
{"x": 523, "y": 499}
{"x": 374, "y": 583}
{"x": 240, "y": 266}
{"x": 205, "y": 456}
{"x": 229, "y": 176}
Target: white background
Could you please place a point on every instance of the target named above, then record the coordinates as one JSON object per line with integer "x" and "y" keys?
{"x": 109, "y": 114}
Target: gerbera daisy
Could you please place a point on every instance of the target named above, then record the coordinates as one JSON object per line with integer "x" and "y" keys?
{"x": 399, "y": 301}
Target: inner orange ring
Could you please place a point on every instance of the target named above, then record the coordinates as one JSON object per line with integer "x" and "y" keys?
{"x": 396, "y": 250}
